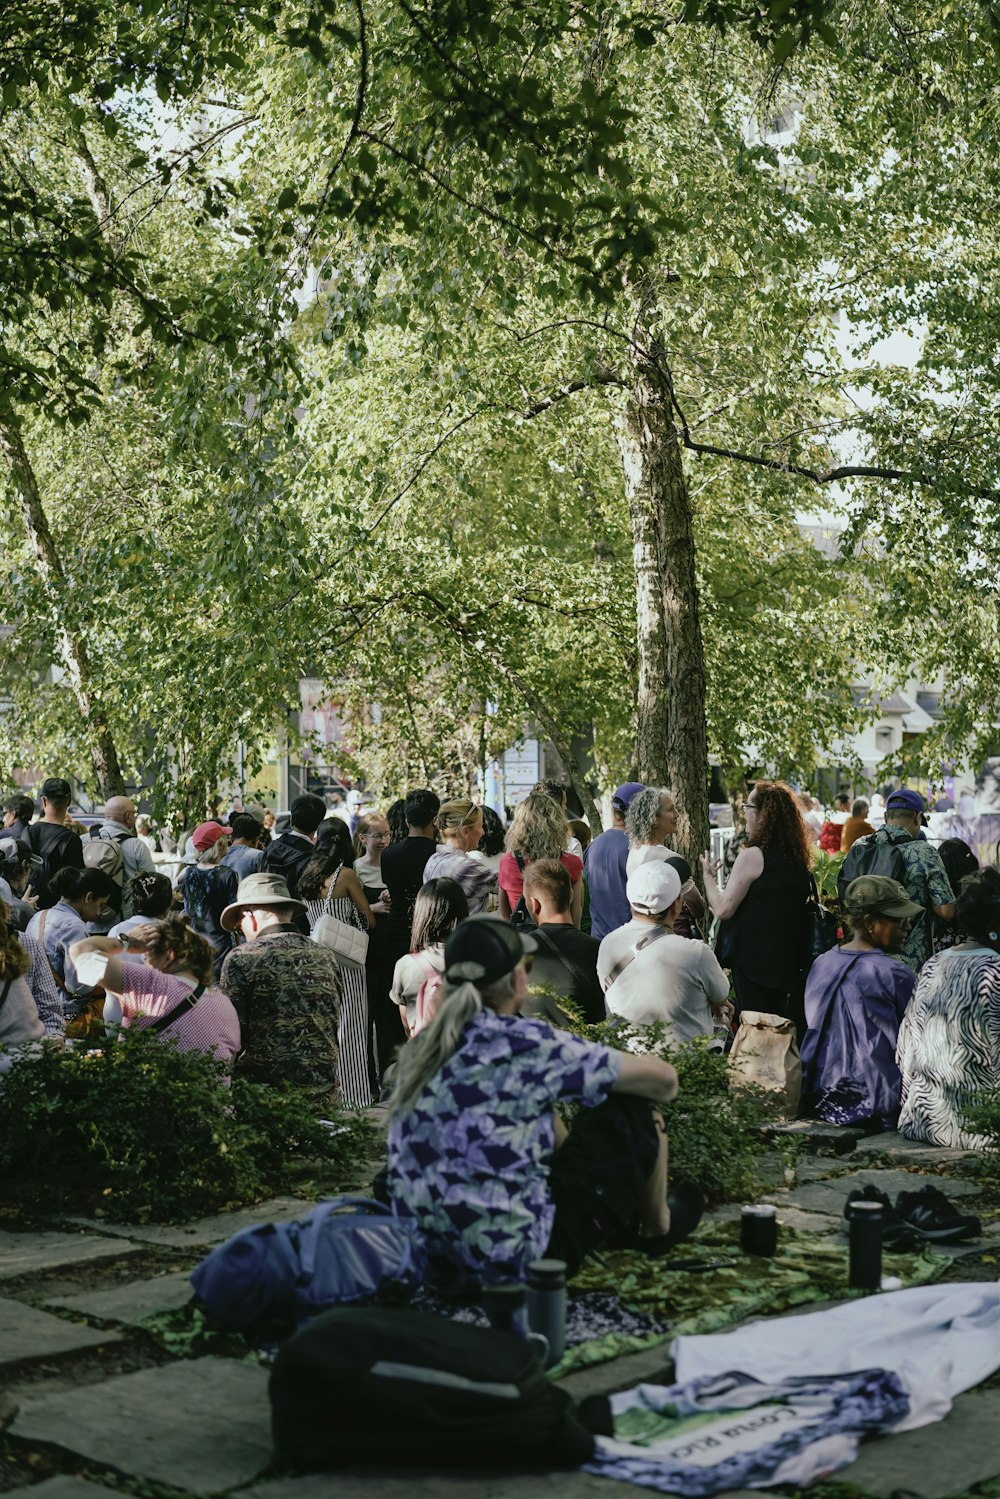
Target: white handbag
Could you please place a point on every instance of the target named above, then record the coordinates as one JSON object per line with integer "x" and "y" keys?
{"x": 348, "y": 943}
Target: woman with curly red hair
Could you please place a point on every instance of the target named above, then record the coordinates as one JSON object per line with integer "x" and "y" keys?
{"x": 763, "y": 908}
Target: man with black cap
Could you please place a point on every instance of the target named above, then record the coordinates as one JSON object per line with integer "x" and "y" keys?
{"x": 57, "y": 846}
{"x": 476, "y": 1151}
{"x": 604, "y": 866}
{"x": 898, "y": 852}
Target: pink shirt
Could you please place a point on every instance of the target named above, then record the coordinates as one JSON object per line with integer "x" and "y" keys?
{"x": 211, "y": 1025}
{"x": 512, "y": 881}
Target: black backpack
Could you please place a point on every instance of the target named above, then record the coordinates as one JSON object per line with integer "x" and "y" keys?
{"x": 52, "y": 844}
{"x": 876, "y": 854}
{"x": 363, "y": 1384}
{"x": 521, "y": 918}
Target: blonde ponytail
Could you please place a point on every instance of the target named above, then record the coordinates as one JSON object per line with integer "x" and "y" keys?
{"x": 422, "y": 1058}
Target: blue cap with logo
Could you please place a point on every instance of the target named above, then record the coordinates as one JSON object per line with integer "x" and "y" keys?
{"x": 905, "y": 800}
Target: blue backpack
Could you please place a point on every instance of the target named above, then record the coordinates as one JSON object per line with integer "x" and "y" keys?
{"x": 345, "y": 1252}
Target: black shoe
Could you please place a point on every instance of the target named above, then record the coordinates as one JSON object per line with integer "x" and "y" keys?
{"x": 895, "y": 1233}
{"x": 687, "y": 1203}
{"x": 933, "y": 1217}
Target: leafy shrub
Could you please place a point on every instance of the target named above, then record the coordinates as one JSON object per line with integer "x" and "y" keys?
{"x": 714, "y": 1130}
{"x": 137, "y": 1128}
{"x": 982, "y": 1117}
{"x": 826, "y": 869}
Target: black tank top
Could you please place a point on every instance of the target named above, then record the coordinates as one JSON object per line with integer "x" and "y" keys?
{"x": 766, "y": 938}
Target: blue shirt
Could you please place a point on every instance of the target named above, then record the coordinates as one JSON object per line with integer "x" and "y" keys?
{"x": 604, "y": 865}
{"x": 244, "y": 860}
{"x": 469, "y": 1160}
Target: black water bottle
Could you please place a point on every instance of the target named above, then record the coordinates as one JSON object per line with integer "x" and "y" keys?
{"x": 865, "y": 1233}
{"x": 506, "y": 1307}
{"x": 547, "y": 1305}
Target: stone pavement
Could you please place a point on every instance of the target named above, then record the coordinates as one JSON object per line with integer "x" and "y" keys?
{"x": 116, "y": 1409}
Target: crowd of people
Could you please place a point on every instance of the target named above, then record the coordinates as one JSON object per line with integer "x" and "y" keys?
{"x": 447, "y": 963}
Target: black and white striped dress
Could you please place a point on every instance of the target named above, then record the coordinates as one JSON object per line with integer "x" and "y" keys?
{"x": 949, "y": 1045}
{"x": 356, "y": 1088}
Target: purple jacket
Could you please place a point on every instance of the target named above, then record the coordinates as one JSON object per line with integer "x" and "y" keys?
{"x": 854, "y": 1003}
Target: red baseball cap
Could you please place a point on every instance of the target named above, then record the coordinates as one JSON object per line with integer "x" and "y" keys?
{"x": 207, "y": 833}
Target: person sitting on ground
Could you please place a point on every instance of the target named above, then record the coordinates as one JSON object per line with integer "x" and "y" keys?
{"x": 209, "y": 886}
{"x": 81, "y": 895}
{"x": 17, "y": 865}
{"x": 857, "y": 826}
{"x": 477, "y": 1154}
{"x": 538, "y": 831}
{"x": 286, "y": 856}
{"x": 460, "y": 826}
{"x": 856, "y": 996}
{"x": 153, "y": 900}
{"x": 923, "y": 873}
{"x": 650, "y": 974}
{"x": 20, "y": 1022}
{"x": 55, "y": 844}
{"x": 605, "y": 862}
{"x": 286, "y": 989}
{"x": 565, "y": 960}
{"x": 949, "y": 1041}
{"x": 18, "y": 810}
{"x": 244, "y": 855}
{"x": 172, "y": 992}
{"x": 440, "y": 906}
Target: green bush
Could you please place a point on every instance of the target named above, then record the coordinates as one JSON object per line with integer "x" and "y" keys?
{"x": 982, "y": 1117}
{"x": 135, "y": 1127}
{"x": 714, "y": 1130}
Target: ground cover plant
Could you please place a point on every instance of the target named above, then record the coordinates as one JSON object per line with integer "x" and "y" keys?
{"x": 134, "y": 1127}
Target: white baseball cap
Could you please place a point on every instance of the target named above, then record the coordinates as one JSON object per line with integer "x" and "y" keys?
{"x": 652, "y": 888}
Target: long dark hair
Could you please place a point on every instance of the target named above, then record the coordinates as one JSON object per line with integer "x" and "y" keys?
{"x": 334, "y": 839}
{"x": 321, "y": 864}
{"x": 439, "y": 907}
{"x": 958, "y": 860}
{"x": 779, "y": 829}
{"x": 979, "y": 903}
{"x": 396, "y": 818}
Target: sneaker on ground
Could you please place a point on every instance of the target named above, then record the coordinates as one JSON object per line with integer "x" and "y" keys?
{"x": 931, "y": 1215}
{"x": 895, "y": 1233}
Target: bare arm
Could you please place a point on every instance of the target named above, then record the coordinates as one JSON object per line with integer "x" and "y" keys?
{"x": 503, "y": 904}
{"x": 946, "y": 913}
{"x": 354, "y": 889}
{"x": 576, "y": 902}
{"x": 646, "y": 1077}
{"x": 749, "y": 866}
{"x": 113, "y": 977}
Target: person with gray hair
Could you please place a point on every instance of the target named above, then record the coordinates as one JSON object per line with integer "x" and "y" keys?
{"x": 651, "y": 822}
{"x": 477, "y": 1154}
{"x": 119, "y": 827}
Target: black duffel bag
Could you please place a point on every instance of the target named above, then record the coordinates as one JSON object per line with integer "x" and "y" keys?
{"x": 361, "y": 1384}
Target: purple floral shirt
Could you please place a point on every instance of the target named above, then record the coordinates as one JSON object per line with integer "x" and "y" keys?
{"x": 469, "y": 1161}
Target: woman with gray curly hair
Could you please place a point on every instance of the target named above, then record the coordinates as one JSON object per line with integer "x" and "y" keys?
{"x": 650, "y": 822}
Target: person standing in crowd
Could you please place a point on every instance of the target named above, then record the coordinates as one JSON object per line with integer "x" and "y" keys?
{"x": 923, "y": 873}
{"x": 80, "y": 896}
{"x": 119, "y": 827}
{"x": 287, "y": 855}
{"x": 764, "y": 908}
{"x": 856, "y": 996}
{"x": 55, "y": 844}
{"x": 481, "y": 1071}
{"x": 605, "y": 862}
{"x": 370, "y": 842}
{"x": 959, "y": 861}
{"x": 949, "y": 1041}
{"x": 403, "y": 865}
{"x": 649, "y": 974}
{"x": 857, "y": 826}
{"x": 144, "y": 831}
{"x": 330, "y": 887}
{"x": 17, "y": 865}
{"x": 650, "y": 824}
{"x": 209, "y": 886}
{"x": 538, "y": 831}
{"x": 460, "y": 825}
{"x": 244, "y": 855}
{"x": 565, "y": 960}
{"x": 286, "y": 990}
{"x": 396, "y": 818}
{"x": 18, "y": 810}
{"x": 557, "y": 791}
{"x": 812, "y": 815}
{"x": 440, "y": 906}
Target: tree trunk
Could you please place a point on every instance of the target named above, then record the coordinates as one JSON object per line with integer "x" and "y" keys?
{"x": 671, "y": 734}
{"x": 71, "y": 648}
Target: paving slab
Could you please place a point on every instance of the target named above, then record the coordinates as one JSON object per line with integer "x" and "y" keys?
{"x": 829, "y": 1197}
{"x": 419, "y": 1483}
{"x": 63, "y": 1486}
{"x": 27, "y": 1334}
{"x": 788, "y": 1214}
{"x": 201, "y": 1424}
{"x": 896, "y": 1148}
{"x": 202, "y": 1233}
{"x": 134, "y": 1302}
{"x": 816, "y": 1136}
{"x": 939, "y": 1460}
{"x": 25, "y": 1254}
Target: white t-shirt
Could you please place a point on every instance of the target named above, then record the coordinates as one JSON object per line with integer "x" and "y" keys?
{"x": 645, "y": 854}
{"x": 674, "y": 980}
